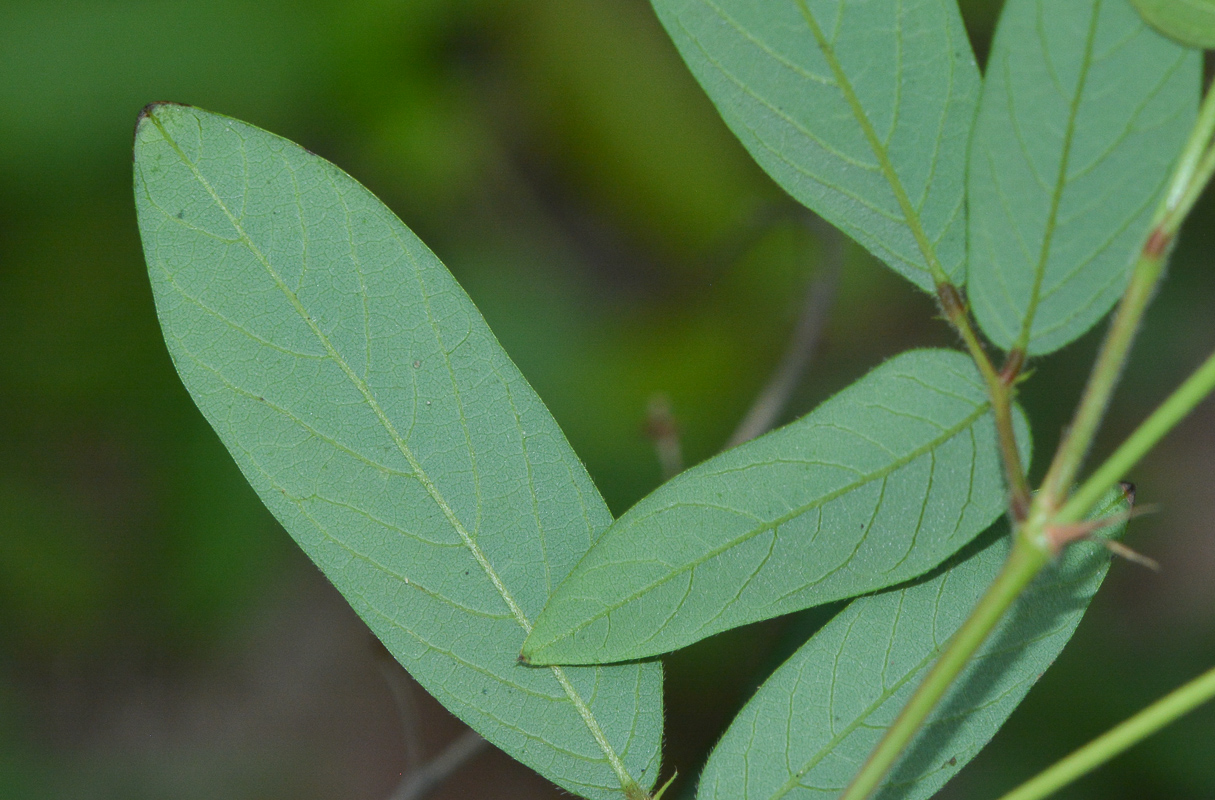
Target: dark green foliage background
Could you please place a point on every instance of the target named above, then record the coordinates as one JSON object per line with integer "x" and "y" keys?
{"x": 161, "y": 637}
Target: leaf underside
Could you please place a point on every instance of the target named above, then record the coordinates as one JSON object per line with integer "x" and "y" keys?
{"x": 811, "y": 724}
{"x": 1084, "y": 110}
{"x": 878, "y": 485}
{"x": 367, "y": 402}
{"x": 860, "y": 111}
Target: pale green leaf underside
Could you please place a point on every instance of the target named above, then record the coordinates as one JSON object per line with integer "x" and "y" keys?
{"x": 879, "y": 484}
{"x": 366, "y": 401}
{"x": 814, "y": 721}
{"x": 1084, "y": 110}
{"x": 861, "y": 111}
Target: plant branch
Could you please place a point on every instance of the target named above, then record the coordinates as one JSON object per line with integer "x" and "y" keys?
{"x": 1193, "y": 391}
{"x": 1024, "y": 562}
{"x": 1000, "y": 390}
{"x": 420, "y": 782}
{"x": 820, "y": 295}
{"x": 1103, "y": 748}
{"x": 1191, "y": 174}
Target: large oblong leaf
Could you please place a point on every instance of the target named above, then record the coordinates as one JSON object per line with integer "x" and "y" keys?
{"x": 861, "y": 111}
{"x": 815, "y": 720}
{"x": 879, "y": 484}
{"x": 369, "y": 405}
{"x": 1084, "y": 110}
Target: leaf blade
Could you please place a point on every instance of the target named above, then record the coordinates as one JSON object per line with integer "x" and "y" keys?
{"x": 1083, "y": 112}
{"x": 1191, "y": 22}
{"x": 827, "y": 706}
{"x": 404, "y": 452}
{"x": 879, "y": 484}
{"x": 873, "y": 143}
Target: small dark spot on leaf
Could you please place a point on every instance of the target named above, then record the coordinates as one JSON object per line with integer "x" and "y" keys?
{"x": 417, "y": 364}
{"x": 262, "y": 399}
{"x": 465, "y": 572}
{"x": 953, "y": 762}
{"x": 181, "y": 214}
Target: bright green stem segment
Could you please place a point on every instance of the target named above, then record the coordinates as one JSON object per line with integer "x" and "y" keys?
{"x": 1193, "y": 171}
{"x": 1024, "y": 562}
{"x": 1114, "y": 741}
{"x": 1181, "y": 402}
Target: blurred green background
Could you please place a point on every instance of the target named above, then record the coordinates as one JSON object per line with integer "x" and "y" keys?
{"x": 161, "y": 636}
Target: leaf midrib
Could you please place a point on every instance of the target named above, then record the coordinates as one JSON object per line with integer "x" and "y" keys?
{"x": 818, "y": 502}
{"x": 796, "y": 779}
{"x": 588, "y": 718}
{"x": 1061, "y": 180}
{"x": 910, "y": 215}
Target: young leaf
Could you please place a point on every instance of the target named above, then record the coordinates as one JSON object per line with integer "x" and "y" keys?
{"x": 366, "y": 401}
{"x": 879, "y": 484}
{"x": 861, "y": 111}
{"x": 1084, "y": 110}
{"x": 817, "y": 717}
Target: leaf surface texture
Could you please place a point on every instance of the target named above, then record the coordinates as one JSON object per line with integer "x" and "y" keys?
{"x": 860, "y": 111}
{"x": 879, "y": 484}
{"x": 1084, "y": 110}
{"x": 369, "y": 405}
{"x": 815, "y": 720}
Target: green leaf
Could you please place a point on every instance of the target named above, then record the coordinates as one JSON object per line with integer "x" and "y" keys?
{"x": 879, "y": 484}
{"x": 367, "y": 402}
{"x": 817, "y": 717}
{"x": 1084, "y": 110}
{"x": 1189, "y": 21}
{"x": 861, "y": 111}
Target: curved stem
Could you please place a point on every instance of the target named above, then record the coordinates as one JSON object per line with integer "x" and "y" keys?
{"x": 1193, "y": 391}
{"x": 1114, "y": 741}
{"x": 1024, "y": 562}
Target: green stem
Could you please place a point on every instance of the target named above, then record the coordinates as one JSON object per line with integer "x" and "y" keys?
{"x": 1196, "y": 145}
{"x": 1114, "y": 741}
{"x": 1191, "y": 174}
{"x": 1195, "y": 389}
{"x": 1024, "y": 562}
{"x": 999, "y": 390}
{"x": 1104, "y": 377}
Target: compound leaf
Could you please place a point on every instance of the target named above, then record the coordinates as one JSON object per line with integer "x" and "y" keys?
{"x": 367, "y": 402}
{"x": 861, "y": 111}
{"x": 879, "y": 484}
{"x": 1084, "y": 110}
{"x": 810, "y": 725}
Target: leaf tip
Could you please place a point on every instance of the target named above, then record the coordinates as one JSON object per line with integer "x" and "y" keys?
{"x": 154, "y": 106}
{"x": 149, "y": 111}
